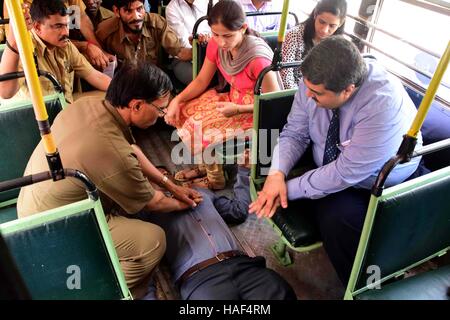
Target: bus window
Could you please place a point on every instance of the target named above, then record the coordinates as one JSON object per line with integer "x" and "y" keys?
{"x": 430, "y": 30}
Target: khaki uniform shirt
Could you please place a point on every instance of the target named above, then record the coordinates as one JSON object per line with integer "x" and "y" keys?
{"x": 92, "y": 137}
{"x": 155, "y": 33}
{"x": 102, "y": 14}
{"x": 62, "y": 63}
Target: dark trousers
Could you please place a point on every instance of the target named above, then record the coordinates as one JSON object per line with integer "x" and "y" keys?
{"x": 340, "y": 219}
{"x": 238, "y": 278}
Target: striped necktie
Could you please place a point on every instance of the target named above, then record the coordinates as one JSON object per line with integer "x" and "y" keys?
{"x": 331, "y": 149}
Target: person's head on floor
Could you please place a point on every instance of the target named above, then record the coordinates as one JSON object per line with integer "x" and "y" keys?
{"x": 131, "y": 13}
{"x": 140, "y": 92}
{"x": 332, "y": 71}
{"x": 327, "y": 19}
{"x": 228, "y": 24}
{"x": 50, "y": 22}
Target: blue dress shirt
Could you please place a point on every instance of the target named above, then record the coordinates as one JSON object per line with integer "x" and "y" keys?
{"x": 372, "y": 124}
{"x": 199, "y": 234}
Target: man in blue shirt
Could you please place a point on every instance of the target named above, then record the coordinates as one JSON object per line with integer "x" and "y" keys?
{"x": 353, "y": 114}
{"x": 203, "y": 254}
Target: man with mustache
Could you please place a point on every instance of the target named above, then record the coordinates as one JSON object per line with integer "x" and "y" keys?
{"x": 49, "y": 24}
{"x": 93, "y": 136}
{"x": 89, "y": 46}
{"x": 137, "y": 35}
{"x": 353, "y": 114}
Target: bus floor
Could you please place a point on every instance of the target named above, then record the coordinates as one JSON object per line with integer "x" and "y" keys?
{"x": 312, "y": 276}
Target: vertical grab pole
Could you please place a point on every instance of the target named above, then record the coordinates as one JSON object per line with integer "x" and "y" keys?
{"x": 283, "y": 22}
{"x": 281, "y": 35}
{"x": 25, "y": 47}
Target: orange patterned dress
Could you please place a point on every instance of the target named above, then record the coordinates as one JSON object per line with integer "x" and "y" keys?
{"x": 201, "y": 123}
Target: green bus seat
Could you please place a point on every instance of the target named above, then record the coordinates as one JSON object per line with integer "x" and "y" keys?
{"x": 432, "y": 285}
{"x": 20, "y": 135}
{"x": 404, "y": 227}
{"x": 298, "y": 232}
{"x": 66, "y": 253}
{"x": 13, "y": 287}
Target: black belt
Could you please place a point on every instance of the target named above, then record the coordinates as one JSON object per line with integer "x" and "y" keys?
{"x": 209, "y": 262}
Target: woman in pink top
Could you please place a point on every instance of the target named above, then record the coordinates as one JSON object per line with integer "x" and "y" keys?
{"x": 206, "y": 118}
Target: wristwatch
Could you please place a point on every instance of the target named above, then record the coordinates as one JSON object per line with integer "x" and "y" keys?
{"x": 164, "y": 180}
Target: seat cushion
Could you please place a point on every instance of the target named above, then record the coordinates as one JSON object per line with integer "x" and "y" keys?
{"x": 8, "y": 213}
{"x": 431, "y": 285}
{"x": 297, "y": 226}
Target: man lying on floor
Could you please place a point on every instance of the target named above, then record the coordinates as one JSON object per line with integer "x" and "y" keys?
{"x": 205, "y": 259}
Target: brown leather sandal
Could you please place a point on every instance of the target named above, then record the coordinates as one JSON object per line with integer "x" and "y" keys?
{"x": 189, "y": 174}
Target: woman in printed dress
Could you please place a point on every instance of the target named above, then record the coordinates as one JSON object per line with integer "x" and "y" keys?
{"x": 327, "y": 19}
{"x": 205, "y": 117}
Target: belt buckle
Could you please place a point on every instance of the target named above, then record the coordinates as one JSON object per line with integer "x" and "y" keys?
{"x": 220, "y": 256}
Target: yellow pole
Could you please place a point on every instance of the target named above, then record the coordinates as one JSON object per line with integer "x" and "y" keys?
{"x": 25, "y": 47}
{"x": 430, "y": 94}
{"x": 283, "y": 23}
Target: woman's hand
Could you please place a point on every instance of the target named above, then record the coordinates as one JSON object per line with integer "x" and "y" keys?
{"x": 228, "y": 109}
{"x": 172, "y": 116}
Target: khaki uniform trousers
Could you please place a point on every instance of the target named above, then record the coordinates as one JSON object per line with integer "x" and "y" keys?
{"x": 140, "y": 246}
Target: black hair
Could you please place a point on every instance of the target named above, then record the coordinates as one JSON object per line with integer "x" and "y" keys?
{"x": 231, "y": 15}
{"x": 141, "y": 80}
{"x": 124, "y": 3}
{"x": 42, "y": 9}
{"x": 336, "y": 63}
{"x": 335, "y": 7}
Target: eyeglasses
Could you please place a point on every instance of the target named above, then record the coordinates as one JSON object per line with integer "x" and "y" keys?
{"x": 161, "y": 110}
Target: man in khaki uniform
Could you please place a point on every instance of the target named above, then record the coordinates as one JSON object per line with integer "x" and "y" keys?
{"x": 55, "y": 53}
{"x": 135, "y": 35}
{"x": 93, "y": 52}
{"x": 96, "y": 12}
{"x": 93, "y": 135}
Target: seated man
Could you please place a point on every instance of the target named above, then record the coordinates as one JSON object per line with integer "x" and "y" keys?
{"x": 55, "y": 53}
{"x": 354, "y": 114}
{"x": 205, "y": 259}
{"x": 181, "y": 16}
{"x": 83, "y": 25}
{"x": 93, "y": 135}
{"x": 263, "y": 23}
{"x": 96, "y": 14}
{"x": 135, "y": 35}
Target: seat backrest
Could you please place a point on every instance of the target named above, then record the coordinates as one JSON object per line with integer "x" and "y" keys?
{"x": 270, "y": 115}
{"x": 19, "y": 134}
{"x": 436, "y": 127}
{"x": 12, "y": 287}
{"x": 66, "y": 253}
{"x": 271, "y": 38}
{"x": 407, "y": 225}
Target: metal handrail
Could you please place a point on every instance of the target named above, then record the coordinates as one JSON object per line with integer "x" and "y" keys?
{"x": 91, "y": 189}
{"x": 42, "y": 73}
{"x": 260, "y": 13}
{"x": 410, "y": 66}
{"x": 374, "y": 26}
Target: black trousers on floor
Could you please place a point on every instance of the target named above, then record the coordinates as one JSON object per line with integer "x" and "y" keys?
{"x": 238, "y": 278}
